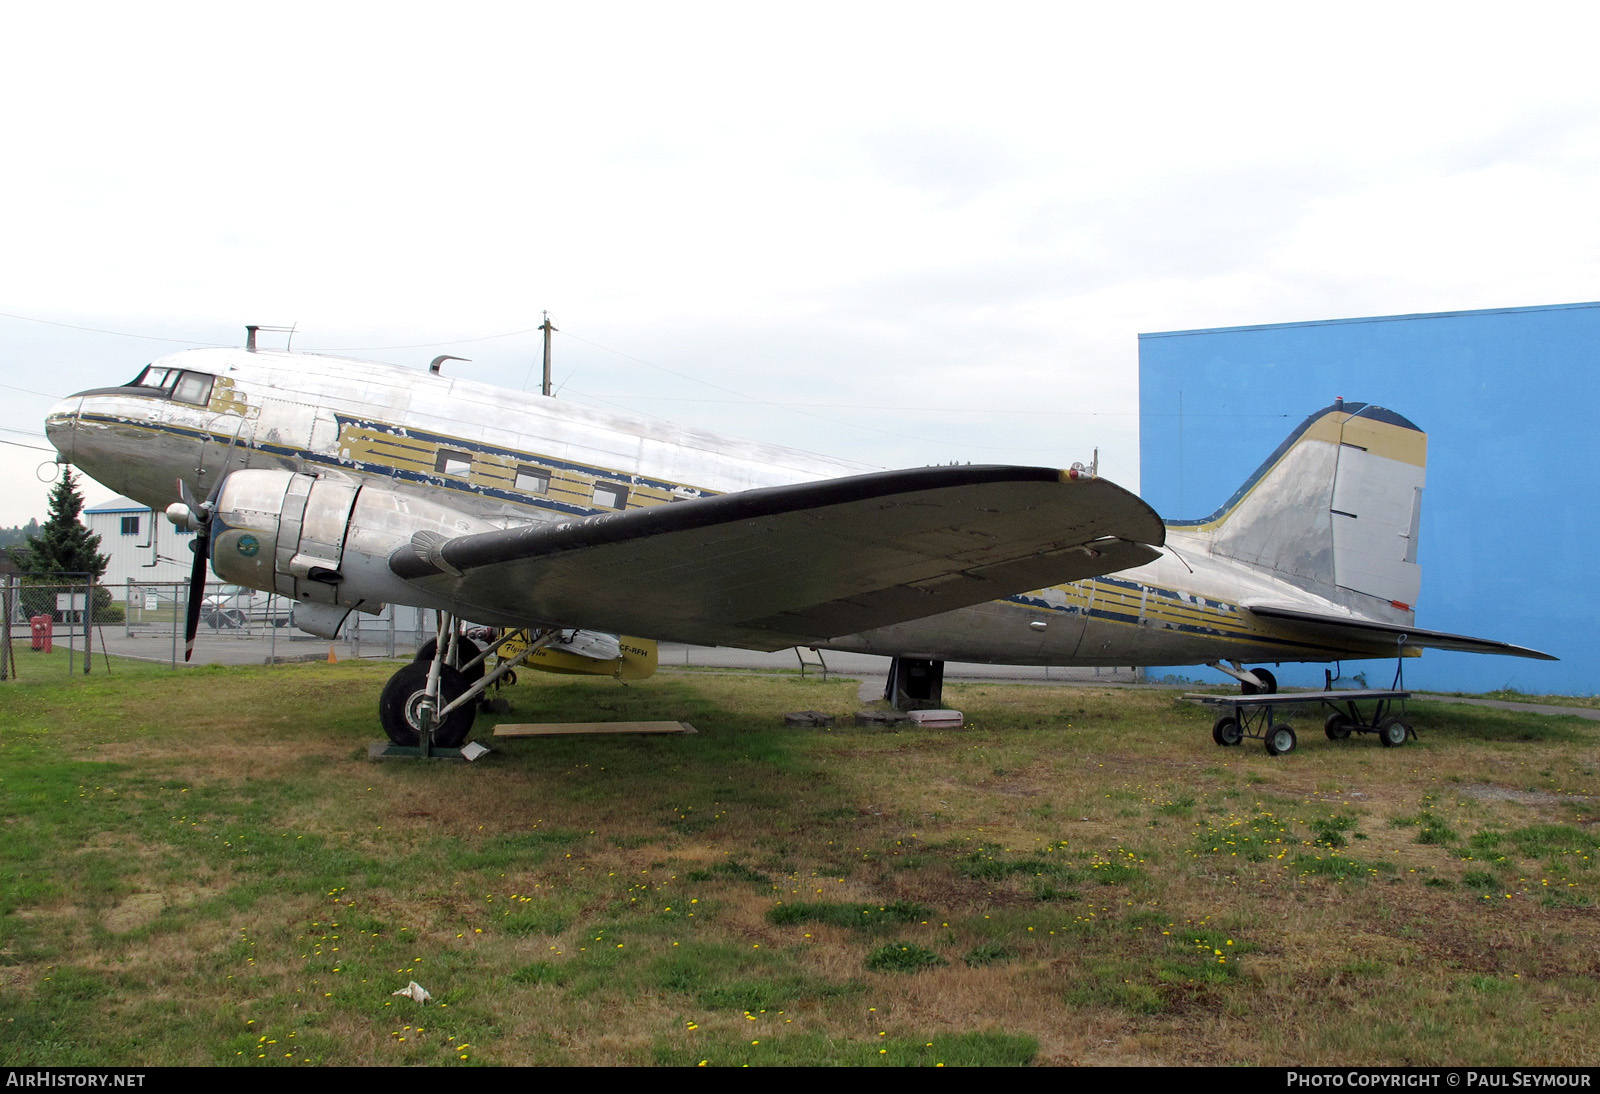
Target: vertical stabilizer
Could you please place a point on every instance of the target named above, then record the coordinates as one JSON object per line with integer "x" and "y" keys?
{"x": 1335, "y": 510}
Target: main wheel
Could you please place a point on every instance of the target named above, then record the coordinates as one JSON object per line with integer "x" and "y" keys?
{"x": 466, "y": 652}
{"x": 1269, "y": 684}
{"x": 399, "y": 706}
{"x": 1226, "y": 731}
{"x": 1337, "y": 727}
{"x": 1280, "y": 740}
{"x": 1393, "y": 731}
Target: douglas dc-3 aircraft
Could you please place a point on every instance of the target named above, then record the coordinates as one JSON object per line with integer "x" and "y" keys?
{"x": 349, "y": 485}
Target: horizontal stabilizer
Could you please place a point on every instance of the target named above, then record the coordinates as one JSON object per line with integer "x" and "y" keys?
{"x": 788, "y": 565}
{"x": 1385, "y": 638}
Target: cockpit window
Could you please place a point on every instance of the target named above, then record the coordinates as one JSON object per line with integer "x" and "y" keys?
{"x": 193, "y": 387}
{"x": 186, "y": 387}
{"x": 155, "y": 377}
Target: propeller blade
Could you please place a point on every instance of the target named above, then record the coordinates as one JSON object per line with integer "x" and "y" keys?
{"x": 197, "y": 592}
{"x": 222, "y": 472}
{"x": 186, "y": 496}
{"x": 201, "y": 515}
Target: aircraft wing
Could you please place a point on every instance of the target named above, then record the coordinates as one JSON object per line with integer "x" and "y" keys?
{"x": 791, "y": 565}
{"x": 1349, "y": 632}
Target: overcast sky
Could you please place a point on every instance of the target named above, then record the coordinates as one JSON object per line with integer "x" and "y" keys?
{"x": 903, "y": 233}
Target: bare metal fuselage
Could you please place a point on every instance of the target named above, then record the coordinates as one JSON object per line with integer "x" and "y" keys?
{"x": 502, "y": 458}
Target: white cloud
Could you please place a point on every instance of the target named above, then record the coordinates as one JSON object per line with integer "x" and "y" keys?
{"x": 954, "y": 215}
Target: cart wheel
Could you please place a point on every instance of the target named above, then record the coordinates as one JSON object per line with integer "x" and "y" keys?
{"x": 1226, "y": 731}
{"x": 1337, "y": 727}
{"x": 1280, "y": 740}
{"x": 1393, "y": 731}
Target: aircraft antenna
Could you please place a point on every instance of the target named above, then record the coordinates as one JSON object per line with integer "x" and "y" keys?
{"x": 252, "y": 329}
{"x": 547, "y": 328}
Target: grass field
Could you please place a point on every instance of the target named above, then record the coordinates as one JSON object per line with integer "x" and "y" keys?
{"x": 203, "y": 867}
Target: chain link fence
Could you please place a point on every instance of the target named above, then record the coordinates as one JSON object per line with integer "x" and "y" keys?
{"x": 50, "y": 627}
{"x": 73, "y": 624}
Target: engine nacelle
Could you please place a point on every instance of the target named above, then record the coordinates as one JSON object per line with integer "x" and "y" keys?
{"x": 322, "y": 540}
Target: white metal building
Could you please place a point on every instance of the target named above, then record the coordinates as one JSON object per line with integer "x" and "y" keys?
{"x": 143, "y": 546}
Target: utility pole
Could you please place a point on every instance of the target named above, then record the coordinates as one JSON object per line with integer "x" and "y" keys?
{"x": 547, "y": 328}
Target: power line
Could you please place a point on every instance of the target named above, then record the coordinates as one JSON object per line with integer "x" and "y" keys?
{"x": 29, "y": 391}
{"x": 418, "y": 345}
{"x": 794, "y": 409}
{"x": 99, "y": 330}
{"x": 898, "y": 406}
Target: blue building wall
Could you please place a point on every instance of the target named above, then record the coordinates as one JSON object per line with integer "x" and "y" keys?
{"x": 1510, "y": 400}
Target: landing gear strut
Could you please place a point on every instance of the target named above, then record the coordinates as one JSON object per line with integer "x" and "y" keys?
{"x": 431, "y": 703}
{"x": 1251, "y": 681}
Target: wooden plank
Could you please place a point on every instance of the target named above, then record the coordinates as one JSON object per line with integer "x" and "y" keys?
{"x": 574, "y": 729}
{"x": 1290, "y": 698}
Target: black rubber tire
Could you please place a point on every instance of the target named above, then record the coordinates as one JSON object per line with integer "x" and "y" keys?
{"x": 1226, "y": 732}
{"x": 397, "y": 706}
{"x": 1337, "y": 727}
{"x": 1393, "y": 731}
{"x": 466, "y": 650}
{"x": 1281, "y": 740}
{"x": 1269, "y": 684}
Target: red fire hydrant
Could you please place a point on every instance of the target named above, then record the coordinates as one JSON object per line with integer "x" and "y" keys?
{"x": 42, "y": 631}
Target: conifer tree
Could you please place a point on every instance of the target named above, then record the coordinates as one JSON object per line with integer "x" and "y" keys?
{"x": 64, "y": 545}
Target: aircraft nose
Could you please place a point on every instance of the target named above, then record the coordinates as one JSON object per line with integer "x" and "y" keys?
{"x": 61, "y": 425}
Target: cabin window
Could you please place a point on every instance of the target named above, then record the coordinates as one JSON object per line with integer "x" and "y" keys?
{"x": 453, "y": 463}
{"x": 533, "y": 480}
{"x": 610, "y": 495}
{"x": 193, "y": 387}
{"x": 130, "y": 526}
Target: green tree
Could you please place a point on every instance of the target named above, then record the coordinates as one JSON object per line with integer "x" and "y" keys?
{"x": 65, "y": 545}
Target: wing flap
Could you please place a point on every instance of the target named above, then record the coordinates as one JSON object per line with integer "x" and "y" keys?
{"x": 1385, "y": 639}
{"x": 770, "y": 568}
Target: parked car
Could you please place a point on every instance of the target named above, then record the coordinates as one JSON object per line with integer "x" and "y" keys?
{"x": 234, "y": 607}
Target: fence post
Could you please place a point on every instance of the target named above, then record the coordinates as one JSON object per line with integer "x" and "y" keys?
{"x": 8, "y": 657}
{"x": 88, "y": 624}
{"x": 68, "y": 621}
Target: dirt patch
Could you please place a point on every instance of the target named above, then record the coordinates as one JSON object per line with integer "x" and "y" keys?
{"x": 1524, "y": 797}
{"x": 135, "y": 911}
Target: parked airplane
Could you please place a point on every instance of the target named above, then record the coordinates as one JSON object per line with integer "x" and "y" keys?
{"x": 349, "y": 485}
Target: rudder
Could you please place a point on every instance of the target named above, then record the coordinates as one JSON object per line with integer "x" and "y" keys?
{"x": 1335, "y": 509}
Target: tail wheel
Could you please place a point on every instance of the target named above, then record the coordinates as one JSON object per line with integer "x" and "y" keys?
{"x": 1226, "y": 731}
{"x": 1337, "y": 727}
{"x": 1269, "y": 684}
{"x": 399, "y": 707}
{"x": 467, "y": 651}
{"x": 1280, "y": 740}
{"x": 1393, "y": 731}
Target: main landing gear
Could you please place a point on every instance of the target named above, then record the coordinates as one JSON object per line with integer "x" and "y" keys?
{"x": 431, "y": 703}
{"x": 1251, "y": 681}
